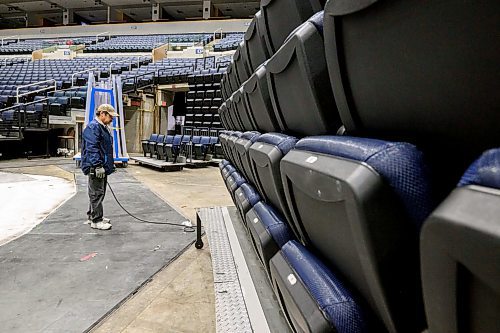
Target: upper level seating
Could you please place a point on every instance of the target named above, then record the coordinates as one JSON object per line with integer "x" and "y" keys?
{"x": 145, "y": 43}
{"x": 229, "y": 42}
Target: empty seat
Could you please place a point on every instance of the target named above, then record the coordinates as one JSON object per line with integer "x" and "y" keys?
{"x": 300, "y": 65}
{"x": 240, "y": 108}
{"x": 425, "y": 72}
{"x": 145, "y": 143}
{"x": 265, "y": 156}
{"x": 460, "y": 253}
{"x": 256, "y": 95}
{"x": 160, "y": 149}
{"x": 153, "y": 145}
{"x": 233, "y": 115}
{"x": 312, "y": 296}
{"x": 245, "y": 197}
{"x": 268, "y": 230}
{"x": 360, "y": 203}
{"x": 255, "y": 48}
{"x": 230, "y": 145}
{"x": 240, "y": 64}
{"x": 242, "y": 147}
{"x": 281, "y": 17}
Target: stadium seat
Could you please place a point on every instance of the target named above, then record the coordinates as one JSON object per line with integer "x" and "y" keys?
{"x": 360, "y": 203}
{"x": 256, "y": 50}
{"x": 267, "y": 229}
{"x": 446, "y": 61}
{"x": 256, "y": 95}
{"x": 242, "y": 146}
{"x": 312, "y": 296}
{"x": 265, "y": 156}
{"x": 245, "y": 197}
{"x": 460, "y": 253}
{"x": 281, "y": 17}
{"x": 300, "y": 65}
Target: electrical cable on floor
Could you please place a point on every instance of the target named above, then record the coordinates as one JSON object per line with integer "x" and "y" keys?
{"x": 186, "y": 228}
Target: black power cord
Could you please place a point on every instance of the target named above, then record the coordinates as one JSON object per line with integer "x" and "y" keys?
{"x": 186, "y": 228}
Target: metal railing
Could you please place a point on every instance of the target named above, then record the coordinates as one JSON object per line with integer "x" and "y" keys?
{"x": 10, "y": 37}
{"x": 22, "y": 119}
{"x": 215, "y": 32}
{"x": 18, "y": 88}
{"x": 135, "y": 80}
{"x": 84, "y": 71}
{"x": 100, "y": 34}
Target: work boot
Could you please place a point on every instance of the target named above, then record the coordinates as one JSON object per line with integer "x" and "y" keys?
{"x": 100, "y": 225}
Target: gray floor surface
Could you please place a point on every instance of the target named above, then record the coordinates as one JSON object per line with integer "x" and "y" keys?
{"x": 64, "y": 276}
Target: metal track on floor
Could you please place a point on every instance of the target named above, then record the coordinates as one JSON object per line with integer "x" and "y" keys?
{"x": 237, "y": 306}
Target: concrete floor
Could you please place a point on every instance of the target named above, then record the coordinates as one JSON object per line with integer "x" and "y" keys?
{"x": 180, "y": 298}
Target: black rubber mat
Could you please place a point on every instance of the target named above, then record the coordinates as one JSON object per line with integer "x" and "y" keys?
{"x": 64, "y": 276}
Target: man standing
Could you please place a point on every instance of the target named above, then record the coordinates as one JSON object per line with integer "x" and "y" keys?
{"x": 97, "y": 162}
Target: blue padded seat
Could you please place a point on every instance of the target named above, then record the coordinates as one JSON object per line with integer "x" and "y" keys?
{"x": 460, "y": 253}
{"x": 145, "y": 143}
{"x": 223, "y": 163}
{"x": 265, "y": 156}
{"x": 361, "y": 203}
{"x": 233, "y": 181}
{"x": 242, "y": 147}
{"x": 153, "y": 145}
{"x": 160, "y": 149}
{"x": 268, "y": 231}
{"x": 227, "y": 171}
{"x": 245, "y": 197}
{"x": 312, "y": 296}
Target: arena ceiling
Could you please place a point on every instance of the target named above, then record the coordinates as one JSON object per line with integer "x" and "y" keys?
{"x": 22, "y": 13}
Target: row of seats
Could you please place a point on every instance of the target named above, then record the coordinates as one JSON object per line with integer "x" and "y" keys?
{"x": 228, "y": 43}
{"x": 170, "y": 147}
{"x": 204, "y": 99}
{"x": 145, "y": 43}
{"x": 373, "y": 232}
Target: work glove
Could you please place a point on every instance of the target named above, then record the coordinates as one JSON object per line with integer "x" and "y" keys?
{"x": 99, "y": 172}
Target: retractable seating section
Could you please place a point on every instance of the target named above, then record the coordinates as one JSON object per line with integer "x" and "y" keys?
{"x": 265, "y": 156}
{"x": 312, "y": 296}
{"x": 281, "y": 17}
{"x": 145, "y": 143}
{"x": 460, "y": 253}
{"x": 245, "y": 197}
{"x": 360, "y": 203}
{"x": 240, "y": 65}
{"x": 403, "y": 71}
{"x": 242, "y": 146}
{"x": 298, "y": 82}
{"x": 244, "y": 116}
{"x": 256, "y": 95}
{"x": 153, "y": 145}
{"x": 267, "y": 229}
{"x": 255, "y": 46}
